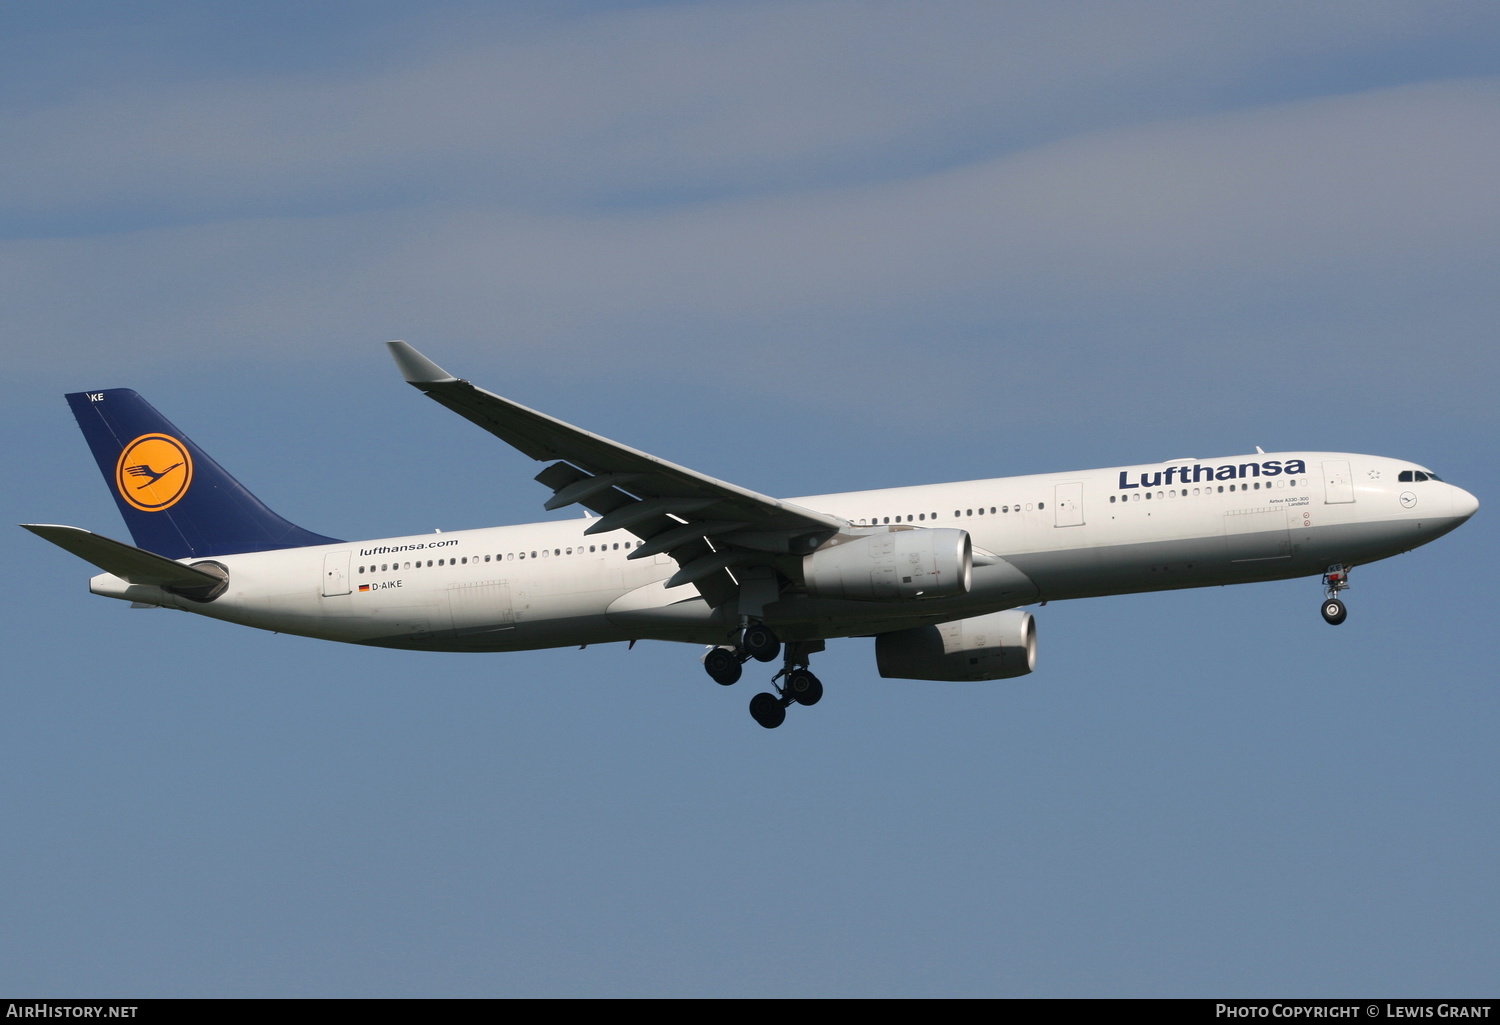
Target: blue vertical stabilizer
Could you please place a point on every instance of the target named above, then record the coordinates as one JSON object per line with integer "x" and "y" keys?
{"x": 176, "y": 500}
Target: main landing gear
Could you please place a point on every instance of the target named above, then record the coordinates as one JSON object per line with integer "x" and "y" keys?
{"x": 1335, "y": 580}
{"x": 798, "y": 685}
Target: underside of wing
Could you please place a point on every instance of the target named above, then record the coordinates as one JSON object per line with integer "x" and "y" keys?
{"x": 717, "y": 533}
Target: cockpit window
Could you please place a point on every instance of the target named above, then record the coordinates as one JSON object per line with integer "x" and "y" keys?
{"x": 1408, "y": 476}
{"x": 1432, "y": 476}
{"x": 1405, "y": 477}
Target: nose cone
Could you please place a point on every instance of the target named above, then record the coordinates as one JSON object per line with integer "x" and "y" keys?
{"x": 1464, "y": 504}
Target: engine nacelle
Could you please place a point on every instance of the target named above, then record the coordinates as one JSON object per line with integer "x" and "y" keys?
{"x": 894, "y": 565}
{"x": 998, "y": 646}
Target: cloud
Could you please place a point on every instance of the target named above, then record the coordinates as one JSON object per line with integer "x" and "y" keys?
{"x": 1324, "y": 230}
{"x": 657, "y": 104}
{"x": 1344, "y": 193}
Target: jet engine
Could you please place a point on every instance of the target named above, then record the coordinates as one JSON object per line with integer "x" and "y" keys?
{"x": 892, "y": 565}
{"x": 998, "y": 646}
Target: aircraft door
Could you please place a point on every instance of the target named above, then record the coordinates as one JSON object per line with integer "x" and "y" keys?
{"x": 1068, "y": 502}
{"x": 1338, "y": 482}
{"x": 335, "y": 574}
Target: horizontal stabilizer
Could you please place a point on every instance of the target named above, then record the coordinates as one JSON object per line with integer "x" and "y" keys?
{"x": 135, "y": 565}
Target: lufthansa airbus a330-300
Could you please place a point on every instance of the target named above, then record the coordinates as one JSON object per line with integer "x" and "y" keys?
{"x": 937, "y": 574}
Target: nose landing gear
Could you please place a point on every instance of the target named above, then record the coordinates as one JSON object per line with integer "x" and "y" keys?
{"x": 1336, "y": 579}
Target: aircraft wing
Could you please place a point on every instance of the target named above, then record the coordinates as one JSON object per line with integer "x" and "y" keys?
{"x": 707, "y": 526}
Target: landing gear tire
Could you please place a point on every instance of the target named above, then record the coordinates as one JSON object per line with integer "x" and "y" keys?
{"x": 803, "y": 687}
{"x": 767, "y": 710}
{"x": 760, "y": 642}
{"x": 1334, "y": 612}
{"x": 722, "y": 665}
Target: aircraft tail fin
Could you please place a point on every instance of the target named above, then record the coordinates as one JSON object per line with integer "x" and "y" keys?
{"x": 175, "y": 499}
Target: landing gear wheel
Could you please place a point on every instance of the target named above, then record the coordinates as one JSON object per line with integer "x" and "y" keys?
{"x": 767, "y": 710}
{"x": 722, "y": 665}
{"x": 803, "y": 687}
{"x": 760, "y": 642}
{"x": 1334, "y": 612}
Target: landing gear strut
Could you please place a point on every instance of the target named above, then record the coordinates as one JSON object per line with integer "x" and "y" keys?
{"x": 1335, "y": 580}
{"x": 757, "y": 641}
{"x": 799, "y": 686}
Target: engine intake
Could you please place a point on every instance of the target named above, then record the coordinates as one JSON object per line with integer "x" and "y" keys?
{"x": 998, "y": 646}
{"x": 893, "y": 565}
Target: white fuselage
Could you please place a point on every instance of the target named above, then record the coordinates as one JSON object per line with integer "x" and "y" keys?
{"x": 1186, "y": 523}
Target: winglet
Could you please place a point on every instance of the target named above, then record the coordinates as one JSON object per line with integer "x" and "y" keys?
{"x": 417, "y": 368}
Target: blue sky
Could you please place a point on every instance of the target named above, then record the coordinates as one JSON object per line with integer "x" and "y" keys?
{"x": 803, "y": 247}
